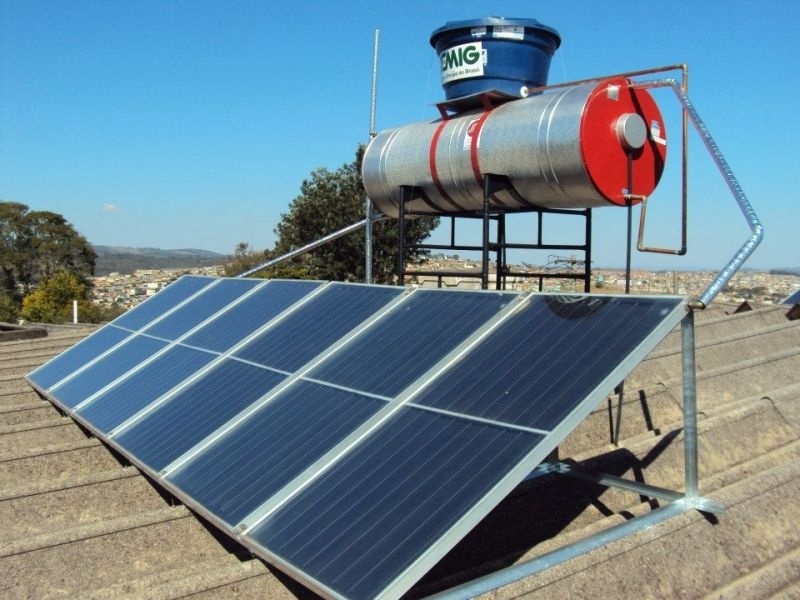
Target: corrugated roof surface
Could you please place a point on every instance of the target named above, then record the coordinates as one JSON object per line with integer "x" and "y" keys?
{"x": 78, "y": 522}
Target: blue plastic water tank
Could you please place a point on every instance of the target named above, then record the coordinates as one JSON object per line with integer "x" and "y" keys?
{"x": 494, "y": 53}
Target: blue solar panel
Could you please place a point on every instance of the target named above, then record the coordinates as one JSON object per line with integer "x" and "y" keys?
{"x": 353, "y": 434}
{"x": 144, "y": 386}
{"x": 407, "y": 342}
{"x": 167, "y": 299}
{"x": 545, "y": 357}
{"x": 80, "y": 354}
{"x": 286, "y": 436}
{"x": 197, "y": 411}
{"x": 250, "y": 314}
{"x": 199, "y": 308}
{"x": 364, "y": 522}
{"x": 325, "y": 319}
{"x": 792, "y": 299}
{"x": 86, "y": 383}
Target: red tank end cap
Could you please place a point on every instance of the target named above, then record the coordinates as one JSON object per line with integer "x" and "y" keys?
{"x": 610, "y": 129}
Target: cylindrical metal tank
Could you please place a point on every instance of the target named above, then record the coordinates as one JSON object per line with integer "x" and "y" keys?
{"x": 569, "y": 148}
{"x": 509, "y": 55}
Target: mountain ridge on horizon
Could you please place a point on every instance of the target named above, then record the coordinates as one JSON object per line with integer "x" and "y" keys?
{"x": 127, "y": 259}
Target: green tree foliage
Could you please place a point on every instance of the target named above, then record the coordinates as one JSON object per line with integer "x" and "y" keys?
{"x": 244, "y": 258}
{"x": 9, "y": 311}
{"x": 52, "y": 302}
{"x": 329, "y": 201}
{"x": 34, "y": 245}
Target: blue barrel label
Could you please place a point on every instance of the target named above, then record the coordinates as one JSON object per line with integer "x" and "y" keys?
{"x": 463, "y": 61}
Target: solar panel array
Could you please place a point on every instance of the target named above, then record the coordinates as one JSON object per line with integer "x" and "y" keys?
{"x": 349, "y": 434}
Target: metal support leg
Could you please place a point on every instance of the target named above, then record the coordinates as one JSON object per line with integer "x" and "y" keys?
{"x": 368, "y": 242}
{"x": 501, "y": 252}
{"x": 618, "y": 424}
{"x": 587, "y": 254}
{"x": 629, "y": 231}
{"x": 485, "y": 252}
{"x": 689, "y": 405}
{"x": 405, "y": 194}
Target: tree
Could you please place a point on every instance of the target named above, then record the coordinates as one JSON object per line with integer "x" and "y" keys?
{"x": 332, "y": 200}
{"x": 52, "y": 302}
{"x": 8, "y": 308}
{"x": 244, "y": 258}
{"x": 34, "y": 245}
{"x": 14, "y": 245}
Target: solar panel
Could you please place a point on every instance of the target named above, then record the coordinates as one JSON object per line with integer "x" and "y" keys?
{"x": 106, "y": 338}
{"x": 792, "y": 299}
{"x": 350, "y": 434}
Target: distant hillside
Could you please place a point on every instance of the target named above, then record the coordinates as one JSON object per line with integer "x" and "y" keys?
{"x": 787, "y": 271}
{"x": 121, "y": 259}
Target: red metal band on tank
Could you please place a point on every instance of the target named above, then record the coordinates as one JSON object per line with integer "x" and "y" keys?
{"x": 473, "y": 151}
{"x": 473, "y": 154}
{"x": 432, "y": 164}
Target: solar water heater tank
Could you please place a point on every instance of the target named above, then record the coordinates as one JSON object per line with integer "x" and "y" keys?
{"x": 574, "y": 147}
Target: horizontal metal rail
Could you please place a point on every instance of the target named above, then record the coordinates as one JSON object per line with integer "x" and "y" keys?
{"x": 308, "y": 247}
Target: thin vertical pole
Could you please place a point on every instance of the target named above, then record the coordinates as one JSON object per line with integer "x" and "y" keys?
{"x": 374, "y": 96}
{"x": 368, "y": 242}
{"x": 372, "y": 134}
{"x": 629, "y": 204}
{"x": 485, "y": 253}
{"x": 689, "y": 404}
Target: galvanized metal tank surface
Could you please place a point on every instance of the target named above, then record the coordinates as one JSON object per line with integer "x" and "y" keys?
{"x": 569, "y": 148}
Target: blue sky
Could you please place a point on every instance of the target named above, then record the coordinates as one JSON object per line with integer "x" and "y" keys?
{"x": 181, "y": 124}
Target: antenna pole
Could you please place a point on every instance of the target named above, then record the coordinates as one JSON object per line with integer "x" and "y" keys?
{"x": 372, "y": 134}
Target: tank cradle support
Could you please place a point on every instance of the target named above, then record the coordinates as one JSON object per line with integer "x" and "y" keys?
{"x": 500, "y": 246}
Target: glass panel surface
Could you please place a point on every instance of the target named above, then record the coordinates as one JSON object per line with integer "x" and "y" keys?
{"x": 255, "y": 460}
{"x": 144, "y": 386}
{"x": 367, "y": 519}
{"x": 792, "y": 298}
{"x": 197, "y": 411}
{"x": 321, "y": 322}
{"x": 542, "y": 362}
{"x": 175, "y": 293}
{"x": 200, "y": 308}
{"x": 78, "y": 355}
{"x": 106, "y": 370}
{"x": 250, "y": 314}
{"x": 410, "y": 339}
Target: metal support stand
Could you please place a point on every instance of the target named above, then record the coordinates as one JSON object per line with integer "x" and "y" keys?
{"x": 676, "y": 502}
{"x": 500, "y": 246}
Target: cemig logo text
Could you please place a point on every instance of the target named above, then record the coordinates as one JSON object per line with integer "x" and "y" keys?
{"x": 461, "y": 62}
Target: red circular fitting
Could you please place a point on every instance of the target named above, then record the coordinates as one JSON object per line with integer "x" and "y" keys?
{"x": 605, "y": 148}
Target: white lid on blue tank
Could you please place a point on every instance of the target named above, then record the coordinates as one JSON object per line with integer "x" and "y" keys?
{"x": 496, "y": 21}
